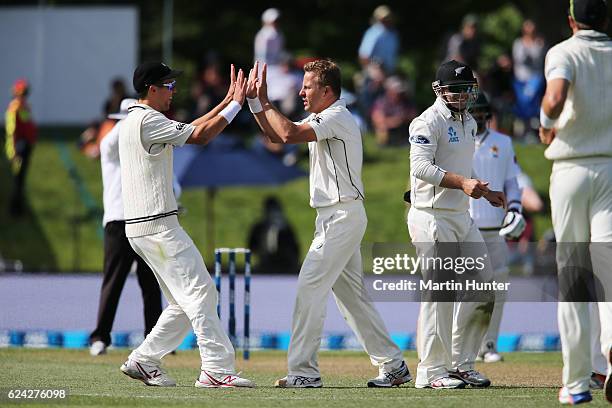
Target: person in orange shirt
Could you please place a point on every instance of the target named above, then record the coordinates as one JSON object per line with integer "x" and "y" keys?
{"x": 21, "y": 135}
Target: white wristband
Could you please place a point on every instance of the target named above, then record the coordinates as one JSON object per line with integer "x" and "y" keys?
{"x": 230, "y": 111}
{"x": 545, "y": 121}
{"x": 254, "y": 105}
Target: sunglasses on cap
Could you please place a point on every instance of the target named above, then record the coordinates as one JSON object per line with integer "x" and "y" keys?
{"x": 169, "y": 85}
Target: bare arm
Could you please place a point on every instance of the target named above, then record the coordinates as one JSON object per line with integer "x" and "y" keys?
{"x": 208, "y": 129}
{"x": 552, "y": 105}
{"x": 274, "y": 125}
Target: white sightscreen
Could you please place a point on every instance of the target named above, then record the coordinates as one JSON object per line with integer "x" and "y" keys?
{"x": 69, "y": 55}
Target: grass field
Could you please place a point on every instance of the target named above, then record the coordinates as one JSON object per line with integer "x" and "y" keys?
{"x": 523, "y": 380}
{"x": 63, "y": 233}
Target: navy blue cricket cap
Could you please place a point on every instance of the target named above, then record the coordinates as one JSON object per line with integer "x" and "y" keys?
{"x": 151, "y": 73}
{"x": 589, "y": 12}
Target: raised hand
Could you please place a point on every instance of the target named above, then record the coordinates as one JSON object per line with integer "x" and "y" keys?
{"x": 262, "y": 85}
{"x": 230, "y": 91}
{"x": 251, "y": 91}
{"x": 240, "y": 88}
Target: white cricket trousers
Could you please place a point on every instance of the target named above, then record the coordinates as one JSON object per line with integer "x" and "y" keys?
{"x": 192, "y": 302}
{"x": 333, "y": 263}
{"x": 581, "y": 203}
{"x": 498, "y": 254}
{"x": 448, "y": 334}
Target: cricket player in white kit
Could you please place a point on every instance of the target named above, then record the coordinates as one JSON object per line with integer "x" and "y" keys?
{"x": 146, "y": 143}
{"x": 494, "y": 158}
{"x": 576, "y": 121}
{"x": 442, "y": 148}
{"x": 333, "y": 263}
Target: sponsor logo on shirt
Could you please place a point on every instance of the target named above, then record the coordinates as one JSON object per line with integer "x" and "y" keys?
{"x": 317, "y": 119}
{"x": 180, "y": 126}
{"x": 452, "y": 135}
{"x": 419, "y": 140}
{"x": 495, "y": 151}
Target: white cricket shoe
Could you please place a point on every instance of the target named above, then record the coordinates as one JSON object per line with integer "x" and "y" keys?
{"x": 298, "y": 381}
{"x": 148, "y": 374}
{"x": 209, "y": 379}
{"x": 442, "y": 383}
{"x": 97, "y": 348}
{"x": 471, "y": 377}
{"x": 389, "y": 379}
{"x": 492, "y": 357}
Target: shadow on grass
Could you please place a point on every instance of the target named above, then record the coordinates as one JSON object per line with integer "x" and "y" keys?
{"x": 22, "y": 237}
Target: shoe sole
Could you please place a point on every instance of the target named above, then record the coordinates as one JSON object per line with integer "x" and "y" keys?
{"x": 608, "y": 383}
{"x": 458, "y": 386}
{"x": 201, "y": 385}
{"x": 395, "y": 383}
{"x": 139, "y": 377}
{"x": 475, "y": 385}
{"x": 279, "y": 384}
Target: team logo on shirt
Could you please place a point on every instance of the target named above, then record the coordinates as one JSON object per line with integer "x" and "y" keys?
{"x": 495, "y": 151}
{"x": 452, "y": 135}
{"x": 419, "y": 140}
{"x": 317, "y": 119}
{"x": 180, "y": 126}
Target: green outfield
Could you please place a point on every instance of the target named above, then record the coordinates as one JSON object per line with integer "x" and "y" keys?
{"x": 523, "y": 380}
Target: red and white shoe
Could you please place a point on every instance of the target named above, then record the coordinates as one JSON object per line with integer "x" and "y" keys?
{"x": 209, "y": 379}
{"x": 148, "y": 374}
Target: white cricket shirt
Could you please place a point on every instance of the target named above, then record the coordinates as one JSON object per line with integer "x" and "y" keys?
{"x": 440, "y": 141}
{"x": 584, "y": 129}
{"x": 494, "y": 162}
{"x": 111, "y": 176}
{"x": 335, "y": 158}
{"x": 146, "y": 143}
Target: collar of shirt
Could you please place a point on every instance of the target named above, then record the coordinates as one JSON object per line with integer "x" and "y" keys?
{"x": 592, "y": 35}
{"x": 481, "y": 137}
{"x": 139, "y": 105}
{"x": 339, "y": 102}
{"x": 441, "y": 107}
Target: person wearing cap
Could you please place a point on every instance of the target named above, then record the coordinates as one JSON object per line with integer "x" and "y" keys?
{"x": 146, "y": 142}
{"x": 269, "y": 41}
{"x": 442, "y": 180}
{"x": 575, "y": 122}
{"x": 333, "y": 263}
{"x": 21, "y": 134}
{"x": 380, "y": 42}
{"x": 118, "y": 254}
{"x": 494, "y": 156}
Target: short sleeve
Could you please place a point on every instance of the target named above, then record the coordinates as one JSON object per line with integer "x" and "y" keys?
{"x": 558, "y": 65}
{"x": 324, "y": 125}
{"x": 159, "y": 130}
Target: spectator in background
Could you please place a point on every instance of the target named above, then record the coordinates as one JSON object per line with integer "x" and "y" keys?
{"x": 21, "y": 136}
{"x": 378, "y": 58}
{"x": 273, "y": 241}
{"x": 269, "y": 41}
{"x": 464, "y": 46}
{"x": 528, "y": 55}
{"x": 380, "y": 42}
{"x": 392, "y": 113}
{"x": 498, "y": 83}
{"x": 118, "y": 94}
{"x": 208, "y": 89}
{"x": 118, "y": 254}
